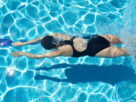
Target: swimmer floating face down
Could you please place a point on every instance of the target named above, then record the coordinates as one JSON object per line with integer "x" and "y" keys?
{"x": 97, "y": 46}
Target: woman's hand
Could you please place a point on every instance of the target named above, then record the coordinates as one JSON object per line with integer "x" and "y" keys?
{"x": 17, "y": 53}
{"x": 18, "y": 43}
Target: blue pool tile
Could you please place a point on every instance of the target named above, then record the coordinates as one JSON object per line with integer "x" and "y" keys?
{"x": 9, "y": 96}
{"x": 21, "y": 7}
{"x": 43, "y": 99}
{"x": 106, "y": 8}
{"x": 82, "y": 12}
{"x": 9, "y": 60}
{"x": 112, "y": 16}
{"x": 52, "y": 6}
{"x": 15, "y": 32}
{"x": 17, "y": 15}
{"x": 32, "y": 11}
{"x": 53, "y": 13}
{"x": 97, "y": 98}
{"x": 3, "y": 86}
{"x": 79, "y": 24}
{"x": 43, "y": 13}
{"x": 70, "y": 18}
{"x": 89, "y": 19}
{"x": 53, "y": 26}
{"x": 36, "y": 3}
{"x": 27, "y": 77}
{"x": 23, "y": 0}
{"x": 101, "y": 20}
{"x": 91, "y": 29}
{"x": 32, "y": 33}
{"x": 129, "y": 90}
{"x": 82, "y": 97}
{"x": 69, "y": 93}
{"x": 22, "y": 63}
{"x": 105, "y": 1}
{"x": 40, "y": 29}
{"x": 4, "y": 9}
{"x": 3, "y": 52}
{"x": 21, "y": 97}
{"x": 95, "y": 2}
{"x": 2, "y": 70}
{"x": 60, "y": 1}
{"x": 83, "y": 3}
{"x": 45, "y": 19}
{"x": 13, "y": 4}
{"x": 12, "y": 80}
{"x": 2, "y": 61}
{"x": 6, "y": 23}
{"x": 118, "y": 3}
{"x": 61, "y": 21}
{"x": 25, "y": 23}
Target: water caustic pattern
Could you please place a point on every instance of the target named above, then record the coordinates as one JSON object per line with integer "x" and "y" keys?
{"x": 61, "y": 79}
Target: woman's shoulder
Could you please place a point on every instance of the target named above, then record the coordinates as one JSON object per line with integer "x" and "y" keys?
{"x": 66, "y": 50}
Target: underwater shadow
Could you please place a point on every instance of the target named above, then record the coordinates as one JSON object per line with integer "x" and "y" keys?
{"x": 91, "y": 73}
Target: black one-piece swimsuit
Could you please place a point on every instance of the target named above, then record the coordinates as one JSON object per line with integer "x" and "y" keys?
{"x": 95, "y": 44}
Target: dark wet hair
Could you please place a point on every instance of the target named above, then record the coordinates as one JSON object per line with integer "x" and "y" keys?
{"x": 48, "y": 42}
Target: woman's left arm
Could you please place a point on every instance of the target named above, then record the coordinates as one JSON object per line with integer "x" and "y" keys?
{"x": 47, "y": 55}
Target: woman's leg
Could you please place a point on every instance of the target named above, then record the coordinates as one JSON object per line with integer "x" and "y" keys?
{"x": 112, "y": 52}
{"x": 113, "y": 39}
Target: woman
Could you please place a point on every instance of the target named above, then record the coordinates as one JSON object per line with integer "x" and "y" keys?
{"x": 66, "y": 45}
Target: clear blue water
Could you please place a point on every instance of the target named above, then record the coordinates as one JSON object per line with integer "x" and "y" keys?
{"x": 62, "y": 79}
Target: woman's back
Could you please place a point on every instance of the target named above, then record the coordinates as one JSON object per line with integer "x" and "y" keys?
{"x": 86, "y": 45}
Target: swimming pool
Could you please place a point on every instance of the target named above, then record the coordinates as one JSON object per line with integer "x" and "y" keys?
{"x": 62, "y": 79}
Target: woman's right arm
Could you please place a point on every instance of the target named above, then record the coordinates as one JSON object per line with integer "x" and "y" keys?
{"x": 19, "y": 43}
